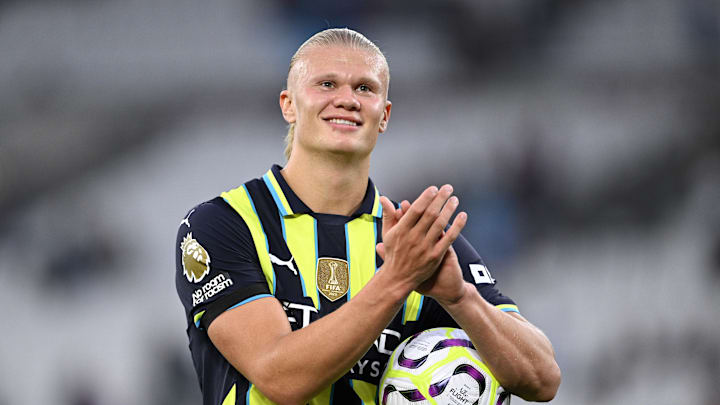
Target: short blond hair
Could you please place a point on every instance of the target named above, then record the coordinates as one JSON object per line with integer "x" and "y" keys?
{"x": 327, "y": 38}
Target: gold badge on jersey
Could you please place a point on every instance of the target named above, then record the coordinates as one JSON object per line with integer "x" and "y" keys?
{"x": 195, "y": 259}
{"x": 333, "y": 277}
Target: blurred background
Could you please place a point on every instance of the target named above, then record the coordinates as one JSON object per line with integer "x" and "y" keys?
{"x": 582, "y": 137}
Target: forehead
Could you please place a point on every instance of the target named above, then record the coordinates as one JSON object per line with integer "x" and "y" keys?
{"x": 341, "y": 60}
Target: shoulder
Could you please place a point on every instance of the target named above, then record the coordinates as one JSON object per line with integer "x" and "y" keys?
{"x": 210, "y": 215}
{"x": 216, "y": 225}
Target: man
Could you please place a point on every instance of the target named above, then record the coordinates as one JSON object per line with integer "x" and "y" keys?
{"x": 285, "y": 296}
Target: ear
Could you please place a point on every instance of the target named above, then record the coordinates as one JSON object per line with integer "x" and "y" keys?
{"x": 386, "y": 116}
{"x": 287, "y": 107}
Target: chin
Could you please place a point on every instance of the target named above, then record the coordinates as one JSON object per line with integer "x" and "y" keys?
{"x": 350, "y": 151}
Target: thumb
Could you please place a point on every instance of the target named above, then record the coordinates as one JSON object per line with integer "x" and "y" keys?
{"x": 380, "y": 248}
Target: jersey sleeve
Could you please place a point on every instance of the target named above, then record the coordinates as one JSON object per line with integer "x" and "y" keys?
{"x": 217, "y": 267}
{"x": 477, "y": 273}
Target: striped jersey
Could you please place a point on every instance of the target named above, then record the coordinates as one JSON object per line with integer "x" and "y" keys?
{"x": 260, "y": 240}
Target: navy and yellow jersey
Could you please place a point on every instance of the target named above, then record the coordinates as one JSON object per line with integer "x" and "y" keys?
{"x": 260, "y": 240}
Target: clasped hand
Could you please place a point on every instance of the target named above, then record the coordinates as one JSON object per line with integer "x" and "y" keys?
{"x": 416, "y": 247}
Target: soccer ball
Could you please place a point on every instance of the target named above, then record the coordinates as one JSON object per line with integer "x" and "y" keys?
{"x": 439, "y": 366}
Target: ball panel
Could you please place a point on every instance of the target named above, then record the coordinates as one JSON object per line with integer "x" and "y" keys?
{"x": 392, "y": 396}
{"x": 503, "y": 397}
{"x": 410, "y": 357}
{"x": 465, "y": 383}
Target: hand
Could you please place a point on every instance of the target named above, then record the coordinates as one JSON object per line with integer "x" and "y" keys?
{"x": 414, "y": 237}
{"x": 446, "y": 285}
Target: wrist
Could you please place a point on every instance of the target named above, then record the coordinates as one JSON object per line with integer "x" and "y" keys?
{"x": 464, "y": 296}
{"x": 392, "y": 287}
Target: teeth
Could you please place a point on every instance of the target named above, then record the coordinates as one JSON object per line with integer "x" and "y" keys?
{"x": 341, "y": 121}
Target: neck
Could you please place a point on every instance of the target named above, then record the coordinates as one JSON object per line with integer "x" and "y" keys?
{"x": 328, "y": 184}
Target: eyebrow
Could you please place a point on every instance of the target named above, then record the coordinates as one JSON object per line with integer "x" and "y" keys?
{"x": 362, "y": 79}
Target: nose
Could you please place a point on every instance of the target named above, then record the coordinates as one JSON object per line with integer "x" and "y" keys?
{"x": 345, "y": 98}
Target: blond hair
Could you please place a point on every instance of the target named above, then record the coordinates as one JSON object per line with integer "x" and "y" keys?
{"x": 326, "y": 38}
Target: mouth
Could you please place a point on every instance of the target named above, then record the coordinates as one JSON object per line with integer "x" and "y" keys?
{"x": 343, "y": 122}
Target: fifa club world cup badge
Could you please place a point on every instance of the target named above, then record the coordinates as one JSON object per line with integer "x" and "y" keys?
{"x": 333, "y": 277}
{"x": 195, "y": 259}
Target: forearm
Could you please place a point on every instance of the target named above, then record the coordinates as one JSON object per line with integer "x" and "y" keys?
{"x": 300, "y": 364}
{"x": 520, "y": 356}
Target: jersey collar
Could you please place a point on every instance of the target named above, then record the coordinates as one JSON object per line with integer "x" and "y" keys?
{"x": 289, "y": 204}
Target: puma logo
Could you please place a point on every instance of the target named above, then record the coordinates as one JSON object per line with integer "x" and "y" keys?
{"x": 289, "y": 264}
{"x": 186, "y": 220}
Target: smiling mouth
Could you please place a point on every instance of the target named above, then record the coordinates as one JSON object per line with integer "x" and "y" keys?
{"x": 343, "y": 122}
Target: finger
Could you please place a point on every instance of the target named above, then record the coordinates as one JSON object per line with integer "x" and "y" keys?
{"x": 380, "y": 249}
{"x": 452, "y": 233}
{"x": 418, "y": 207}
{"x": 404, "y": 206}
{"x": 438, "y": 227}
{"x": 400, "y": 211}
{"x": 432, "y": 212}
{"x": 389, "y": 216}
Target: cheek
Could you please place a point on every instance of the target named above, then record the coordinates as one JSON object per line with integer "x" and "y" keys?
{"x": 311, "y": 103}
{"x": 376, "y": 110}
{"x": 301, "y": 109}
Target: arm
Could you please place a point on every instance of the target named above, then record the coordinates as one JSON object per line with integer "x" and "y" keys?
{"x": 520, "y": 356}
{"x": 292, "y": 366}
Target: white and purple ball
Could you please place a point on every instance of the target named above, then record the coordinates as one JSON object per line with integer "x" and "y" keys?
{"x": 439, "y": 366}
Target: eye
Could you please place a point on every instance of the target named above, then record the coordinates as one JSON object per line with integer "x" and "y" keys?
{"x": 364, "y": 88}
{"x": 326, "y": 83}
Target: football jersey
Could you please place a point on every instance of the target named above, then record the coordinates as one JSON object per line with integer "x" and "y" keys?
{"x": 260, "y": 240}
